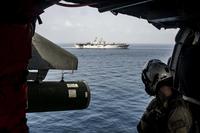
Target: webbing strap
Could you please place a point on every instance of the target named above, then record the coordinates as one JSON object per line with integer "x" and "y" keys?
{"x": 191, "y": 100}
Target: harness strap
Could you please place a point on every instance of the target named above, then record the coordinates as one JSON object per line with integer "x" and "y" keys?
{"x": 192, "y": 100}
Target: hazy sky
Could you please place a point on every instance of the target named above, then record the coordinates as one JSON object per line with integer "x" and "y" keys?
{"x": 71, "y": 25}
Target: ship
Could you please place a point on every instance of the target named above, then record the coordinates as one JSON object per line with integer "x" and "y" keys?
{"x": 101, "y": 44}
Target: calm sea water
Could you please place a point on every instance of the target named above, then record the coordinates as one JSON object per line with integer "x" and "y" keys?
{"x": 118, "y": 96}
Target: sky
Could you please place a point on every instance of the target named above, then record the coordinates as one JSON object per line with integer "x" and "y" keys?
{"x": 75, "y": 25}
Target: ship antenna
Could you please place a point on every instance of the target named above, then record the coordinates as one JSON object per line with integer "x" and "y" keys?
{"x": 95, "y": 39}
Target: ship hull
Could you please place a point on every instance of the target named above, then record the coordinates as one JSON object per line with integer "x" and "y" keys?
{"x": 106, "y": 46}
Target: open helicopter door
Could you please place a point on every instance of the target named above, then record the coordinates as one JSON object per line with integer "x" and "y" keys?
{"x": 186, "y": 66}
{"x": 53, "y": 95}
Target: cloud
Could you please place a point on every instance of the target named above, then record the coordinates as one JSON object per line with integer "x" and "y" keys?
{"x": 66, "y": 25}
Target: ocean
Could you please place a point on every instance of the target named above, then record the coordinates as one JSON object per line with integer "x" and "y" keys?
{"x": 118, "y": 98}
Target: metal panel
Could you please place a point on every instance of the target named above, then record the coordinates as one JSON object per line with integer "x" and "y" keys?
{"x": 47, "y": 55}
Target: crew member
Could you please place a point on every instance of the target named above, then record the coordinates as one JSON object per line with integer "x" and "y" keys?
{"x": 167, "y": 112}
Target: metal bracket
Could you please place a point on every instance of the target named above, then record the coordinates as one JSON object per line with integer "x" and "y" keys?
{"x": 63, "y": 73}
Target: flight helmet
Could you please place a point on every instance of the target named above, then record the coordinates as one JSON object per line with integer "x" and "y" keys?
{"x": 154, "y": 73}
